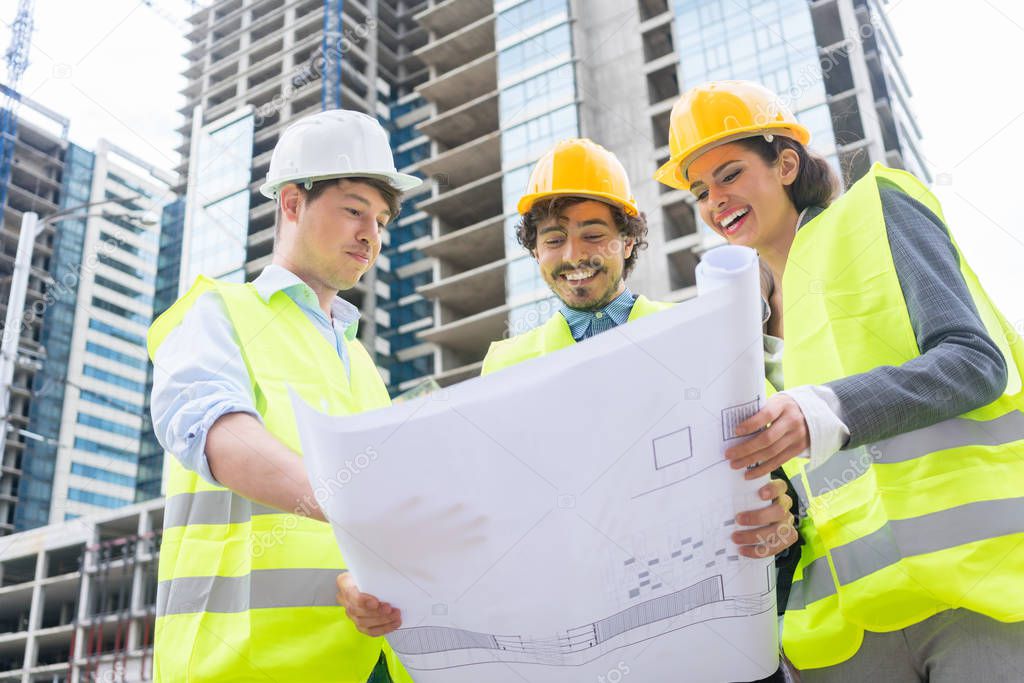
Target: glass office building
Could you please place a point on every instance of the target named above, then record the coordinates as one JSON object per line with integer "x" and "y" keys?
{"x": 39, "y": 463}
{"x": 536, "y": 108}
{"x": 217, "y": 213}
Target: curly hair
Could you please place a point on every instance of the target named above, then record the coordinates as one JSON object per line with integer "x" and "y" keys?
{"x": 630, "y": 227}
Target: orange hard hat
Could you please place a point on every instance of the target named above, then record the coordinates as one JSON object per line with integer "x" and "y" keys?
{"x": 582, "y": 168}
{"x": 719, "y": 112}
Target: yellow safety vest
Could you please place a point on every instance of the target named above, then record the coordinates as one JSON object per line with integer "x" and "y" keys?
{"x": 247, "y": 593}
{"x": 922, "y": 522}
{"x": 551, "y": 336}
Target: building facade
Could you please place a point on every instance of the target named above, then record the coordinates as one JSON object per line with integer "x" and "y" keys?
{"x": 474, "y": 91}
{"x": 101, "y": 425}
{"x": 74, "y": 420}
{"x": 274, "y": 62}
{"x": 508, "y": 78}
{"x": 149, "y": 476}
{"x": 42, "y": 181}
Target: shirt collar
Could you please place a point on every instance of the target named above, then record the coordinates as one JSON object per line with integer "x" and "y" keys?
{"x": 807, "y": 215}
{"x": 618, "y": 309}
{"x": 275, "y": 278}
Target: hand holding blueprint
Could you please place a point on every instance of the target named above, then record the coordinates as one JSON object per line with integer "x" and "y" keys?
{"x": 569, "y": 518}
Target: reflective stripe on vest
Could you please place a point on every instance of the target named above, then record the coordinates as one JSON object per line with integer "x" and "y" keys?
{"x": 906, "y": 538}
{"x": 845, "y": 466}
{"x": 242, "y": 586}
{"x": 260, "y": 589}
{"x": 918, "y": 523}
{"x": 553, "y": 335}
{"x": 211, "y": 507}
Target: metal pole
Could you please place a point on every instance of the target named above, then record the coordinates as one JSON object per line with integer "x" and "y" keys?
{"x": 15, "y": 311}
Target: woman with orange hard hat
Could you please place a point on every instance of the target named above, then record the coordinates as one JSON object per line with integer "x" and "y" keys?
{"x": 902, "y": 424}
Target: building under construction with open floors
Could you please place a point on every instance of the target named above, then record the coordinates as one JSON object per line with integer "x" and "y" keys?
{"x": 474, "y": 91}
{"x": 509, "y": 78}
{"x": 255, "y": 67}
{"x": 37, "y": 183}
{"x": 78, "y": 598}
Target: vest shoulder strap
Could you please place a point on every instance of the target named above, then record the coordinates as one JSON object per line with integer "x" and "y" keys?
{"x": 554, "y": 334}
{"x": 173, "y": 316}
{"x": 644, "y": 306}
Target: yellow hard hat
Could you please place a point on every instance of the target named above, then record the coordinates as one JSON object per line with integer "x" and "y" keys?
{"x": 718, "y": 112}
{"x": 579, "y": 167}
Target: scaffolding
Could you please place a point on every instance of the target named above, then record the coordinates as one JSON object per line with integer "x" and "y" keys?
{"x": 119, "y": 611}
{"x": 78, "y": 599}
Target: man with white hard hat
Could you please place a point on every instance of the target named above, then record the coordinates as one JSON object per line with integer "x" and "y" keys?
{"x": 247, "y": 564}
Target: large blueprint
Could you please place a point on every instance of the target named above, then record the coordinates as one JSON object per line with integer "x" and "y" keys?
{"x": 569, "y": 518}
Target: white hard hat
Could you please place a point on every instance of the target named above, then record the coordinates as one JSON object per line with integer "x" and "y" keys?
{"x": 337, "y": 143}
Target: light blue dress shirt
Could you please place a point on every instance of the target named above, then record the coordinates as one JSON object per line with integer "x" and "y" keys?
{"x": 586, "y": 324}
{"x": 199, "y": 374}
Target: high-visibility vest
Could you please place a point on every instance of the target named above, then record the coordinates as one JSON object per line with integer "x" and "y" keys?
{"x": 922, "y": 522}
{"x": 551, "y": 336}
{"x": 247, "y": 593}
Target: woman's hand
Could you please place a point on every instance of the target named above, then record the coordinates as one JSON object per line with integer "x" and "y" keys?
{"x": 772, "y": 528}
{"x": 371, "y": 616}
{"x": 783, "y": 436}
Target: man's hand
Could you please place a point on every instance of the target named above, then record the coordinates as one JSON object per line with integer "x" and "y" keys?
{"x": 371, "y": 616}
{"x": 783, "y": 436}
{"x": 773, "y": 527}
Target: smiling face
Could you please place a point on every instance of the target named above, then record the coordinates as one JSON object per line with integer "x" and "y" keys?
{"x": 582, "y": 254}
{"x": 744, "y": 198}
{"x": 331, "y": 239}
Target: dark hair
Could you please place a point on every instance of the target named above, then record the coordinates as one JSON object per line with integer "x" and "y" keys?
{"x": 816, "y": 183}
{"x": 391, "y": 195}
{"x": 630, "y": 227}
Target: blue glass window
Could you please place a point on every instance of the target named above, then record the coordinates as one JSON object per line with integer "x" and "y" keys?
{"x": 125, "y": 268}
{"x": 103, "y": 351}
{"x": 100, "y": 449}
{"x": 111, "y": 378}
{"x": 96, "y": 498}
{"x": 553, "y": 45}
{"x": 120, "y": 311}
{"x": 110, "y": 402}
{"x": 527, "y": 14}
{"x": 107, "y": 425}
{"x": 526, "y": 142}
{"x": 113, "y": 286}
{"x": 537, "y": 95}
{"x": 117, "y": 333}
{"x": 101, "y": 474}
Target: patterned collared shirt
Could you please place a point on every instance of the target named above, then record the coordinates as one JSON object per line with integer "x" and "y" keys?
{"x": 585, "y": 324}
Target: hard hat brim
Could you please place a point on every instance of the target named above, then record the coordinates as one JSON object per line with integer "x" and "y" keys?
{"x": 673, "y": 172}
{"x": 527, "y": 201}
{"x": 402, "y": 182}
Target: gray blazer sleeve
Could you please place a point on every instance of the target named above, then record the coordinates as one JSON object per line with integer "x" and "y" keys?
{"x": 960, "y": 368}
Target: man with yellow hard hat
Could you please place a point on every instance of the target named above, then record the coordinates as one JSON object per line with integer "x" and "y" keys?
{"x": 581, "y": 223}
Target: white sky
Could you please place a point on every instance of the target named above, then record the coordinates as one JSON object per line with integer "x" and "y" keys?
{"x": 115, "y": 72}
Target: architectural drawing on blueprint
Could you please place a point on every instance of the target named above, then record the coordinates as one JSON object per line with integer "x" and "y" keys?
{"x": 660, "y": 592}
{"x": 529, "y": 535}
